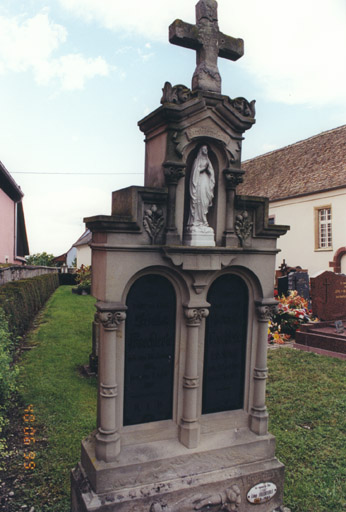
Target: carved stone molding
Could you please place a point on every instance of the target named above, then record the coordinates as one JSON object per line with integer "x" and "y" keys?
{"x": 108, "y": 391}
{"x": 190, "y": 382}
{"x": 228, "y": 500}
{"x": 177, "y": 94}
{"x": 243, "y": 227}
{"x": 194, "y": 316}
{"x": 110, "y": 314}
{"x": 265, "y": 311}
{"x": 260, "y": 373}
{"x": 153, "y": 222}
{"x": 244, "y": 107}
{"x": 111, "y": 319}
{"x": 173, "y": 172}
{"x": 233, "y": 177}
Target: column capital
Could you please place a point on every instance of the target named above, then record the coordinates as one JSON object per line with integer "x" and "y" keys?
{"x": 173, "y": 172}
{"x": 194, "y": 315}
{"x": 265, "y": 309}
{"x": 110, "y": 314}
{"x": 233, "y": 177}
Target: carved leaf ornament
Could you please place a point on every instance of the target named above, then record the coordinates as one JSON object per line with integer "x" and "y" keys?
{"x": 243, "y": 227}
{"x": 153, "y": 222}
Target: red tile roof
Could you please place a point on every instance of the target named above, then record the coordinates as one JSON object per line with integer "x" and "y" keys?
{"x": 306, "y": 167}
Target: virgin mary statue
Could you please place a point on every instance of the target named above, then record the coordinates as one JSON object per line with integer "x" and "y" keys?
{"x": 202, "y": 184}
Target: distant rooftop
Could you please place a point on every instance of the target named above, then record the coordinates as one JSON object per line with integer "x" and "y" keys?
{"x": 8, "y": 185}
{"x": 312, "y": 165}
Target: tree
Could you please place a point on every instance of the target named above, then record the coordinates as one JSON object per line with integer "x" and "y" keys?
{"x": 41, "y": 259}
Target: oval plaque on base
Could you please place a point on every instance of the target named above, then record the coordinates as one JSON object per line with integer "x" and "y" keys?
{"x": 261, "y": 493}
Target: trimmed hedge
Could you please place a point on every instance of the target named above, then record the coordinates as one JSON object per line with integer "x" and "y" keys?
{"x": 21, "y": 300}
{"x": 67, "y": 279}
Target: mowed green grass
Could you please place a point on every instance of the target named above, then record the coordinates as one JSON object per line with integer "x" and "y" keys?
{"x": 64, "y": 401}
{"x": 305, "y": 397}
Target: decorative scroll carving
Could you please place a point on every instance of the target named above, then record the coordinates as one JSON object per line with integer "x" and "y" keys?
{"x": 195, "y": 315}
{"x": 243, "y": 227}
{"x": 245, "y": 108}
{"x": 111, "y": 319}
{"x": 173, "y": 172}
{"x": 228, "y": 500}
{"x": 265, "y": 312}
{"x": 233, "y": 177}
{"x": 177, "y": 94}
{"x": 153, "y": 222}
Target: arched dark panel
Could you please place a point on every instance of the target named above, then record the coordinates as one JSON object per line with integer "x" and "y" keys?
{"x": 225, "y": 345}
{"x": 149, "y": 350}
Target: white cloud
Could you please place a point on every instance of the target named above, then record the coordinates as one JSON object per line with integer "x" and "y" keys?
{"x": 295, "y": 50}
{"x": 29, "y": 44}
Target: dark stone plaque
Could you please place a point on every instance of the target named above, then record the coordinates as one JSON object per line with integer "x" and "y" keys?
{"x": 225, "y": 345}
{"x": 149, "y": 350}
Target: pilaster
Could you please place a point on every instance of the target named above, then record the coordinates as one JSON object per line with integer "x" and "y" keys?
{"x": 110, "y": 316}
{"x": 173, "y": 173}
{"x": 259, "y": 414}
{"x": 190, "y": 427}
{"x": 232, "y": 177}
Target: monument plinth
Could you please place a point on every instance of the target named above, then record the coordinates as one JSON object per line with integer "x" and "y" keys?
{"x": 183, "y": 273}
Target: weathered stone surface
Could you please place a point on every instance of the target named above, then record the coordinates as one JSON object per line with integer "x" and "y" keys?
{"x": 161, "y": 443}
{"x": 209, "y": 43}
{"x": 328, "y": 295}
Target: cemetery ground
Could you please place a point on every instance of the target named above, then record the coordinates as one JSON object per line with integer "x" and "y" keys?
{"x": 305, "y": 396}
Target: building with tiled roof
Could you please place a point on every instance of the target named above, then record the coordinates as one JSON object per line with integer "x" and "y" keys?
{"x": 306, "y": 186}
{"x": 13, "y": 238}
{"x": 83, "y": 249}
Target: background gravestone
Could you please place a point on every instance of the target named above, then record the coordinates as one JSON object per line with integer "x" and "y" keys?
{"x": 282, "y": 286}
{"x": 299, "y": 281}
{"x": 328, "y": 295}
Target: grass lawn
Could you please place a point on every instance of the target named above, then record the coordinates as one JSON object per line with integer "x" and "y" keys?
{"x": 64, "y": 402}
{"x": 306, "y": 401}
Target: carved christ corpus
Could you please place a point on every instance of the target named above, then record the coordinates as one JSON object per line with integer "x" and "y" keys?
{"x": 209, "y": 43}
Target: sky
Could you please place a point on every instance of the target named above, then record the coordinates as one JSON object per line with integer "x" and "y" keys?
{"x": 77, "y": 75}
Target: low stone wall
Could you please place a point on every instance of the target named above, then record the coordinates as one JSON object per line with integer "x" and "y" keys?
{"x": 15, "y": 273}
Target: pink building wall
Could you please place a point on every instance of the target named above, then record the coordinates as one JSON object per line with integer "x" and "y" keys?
{"x": 7, "y": 228}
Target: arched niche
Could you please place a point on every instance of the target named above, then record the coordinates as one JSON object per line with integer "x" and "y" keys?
{"x": 149, "y": 350}
{"x": 225, "y": 345}
{"x": 212, "y": 213}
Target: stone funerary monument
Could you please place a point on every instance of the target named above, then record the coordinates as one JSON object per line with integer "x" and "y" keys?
{"x": 183, "y": 273}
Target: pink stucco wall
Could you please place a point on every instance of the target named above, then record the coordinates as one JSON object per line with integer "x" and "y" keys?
{"x": 7, "y": 222}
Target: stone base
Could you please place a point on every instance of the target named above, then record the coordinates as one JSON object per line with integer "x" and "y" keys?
{"x": 164, "y": 476}
{"x": 323, "y": 336}
{"x": 200, "y": 239}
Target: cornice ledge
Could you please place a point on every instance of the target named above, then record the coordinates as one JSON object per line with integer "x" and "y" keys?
{"x": 198, "y": 258}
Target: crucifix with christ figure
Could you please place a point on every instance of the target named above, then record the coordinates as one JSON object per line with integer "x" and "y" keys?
{"x": 209, "y": 43}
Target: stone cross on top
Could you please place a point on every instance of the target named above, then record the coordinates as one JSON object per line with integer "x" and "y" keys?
{"x": 209, "y": 43}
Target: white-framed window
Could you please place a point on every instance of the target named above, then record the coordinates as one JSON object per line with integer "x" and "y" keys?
{"x": 323, "y": 228}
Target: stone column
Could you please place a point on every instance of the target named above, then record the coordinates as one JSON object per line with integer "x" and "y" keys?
{"x": 173, "y": 172}
{"x": 233, "y": 177}
{"x": 190, "y": 427}
{"x": 259, "y": 414}
{"x": 110, "y": 315}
